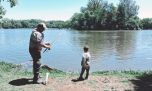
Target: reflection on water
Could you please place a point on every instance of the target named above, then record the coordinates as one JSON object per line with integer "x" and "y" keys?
{"x": 106, "y": 43}
{"x": 110, "y": 50}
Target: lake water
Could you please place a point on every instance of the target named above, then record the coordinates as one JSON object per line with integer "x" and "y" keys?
{"x": 110, "y": 50}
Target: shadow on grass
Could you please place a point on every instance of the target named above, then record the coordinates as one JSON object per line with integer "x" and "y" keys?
{"x": 21, "y": 82}
{"x": 143, "y": 82}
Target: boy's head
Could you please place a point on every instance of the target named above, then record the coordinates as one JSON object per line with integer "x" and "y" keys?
{"x": 86, "y": 48}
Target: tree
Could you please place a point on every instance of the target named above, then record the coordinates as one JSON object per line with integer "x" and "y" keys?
{"x": 2, "y": 10}
{"x": 97, "y": 15}
{"x": 110, "y": 17}
{"x": 146, "y": 23}
{"x": 89, "y": 18}
{"x": 93, "y": 5}
{"x": 127, "y": 9}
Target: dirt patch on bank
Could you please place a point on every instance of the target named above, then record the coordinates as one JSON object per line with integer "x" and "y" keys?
{"x": 94, "y": 83}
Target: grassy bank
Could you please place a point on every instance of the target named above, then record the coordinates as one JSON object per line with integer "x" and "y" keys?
{"x": 8, "y": 69}
{"x": 10, "y": 73}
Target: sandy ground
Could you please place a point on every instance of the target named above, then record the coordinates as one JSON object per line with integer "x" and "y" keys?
{"x": 12, "y": 79}
{"x": 94, "y": 83}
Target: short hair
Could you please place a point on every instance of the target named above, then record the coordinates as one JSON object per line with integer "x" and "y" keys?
{"x": 86, "y": 48}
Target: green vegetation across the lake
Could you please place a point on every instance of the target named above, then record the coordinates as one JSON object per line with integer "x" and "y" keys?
{"x": 97, "y": 15}
{"x": 7, "y": 23}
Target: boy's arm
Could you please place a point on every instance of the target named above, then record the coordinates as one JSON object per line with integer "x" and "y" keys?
{"x": 88, "y": 59}
{"x": 82, "y": 61}
{"x": 88, "y": 62}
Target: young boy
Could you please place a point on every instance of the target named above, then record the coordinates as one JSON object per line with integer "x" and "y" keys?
{"x": 85, "y": 63}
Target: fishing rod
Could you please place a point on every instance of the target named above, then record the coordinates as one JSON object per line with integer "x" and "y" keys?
{"x": 57, "y": 37}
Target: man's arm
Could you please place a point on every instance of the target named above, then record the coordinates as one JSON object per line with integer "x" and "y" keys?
{"x": 46, "y": 45}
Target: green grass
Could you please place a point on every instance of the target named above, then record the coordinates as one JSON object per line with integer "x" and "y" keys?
{"x": 130, "y": 73}
{"x": 9, "y": 72}
{"x": 8, "y": 68}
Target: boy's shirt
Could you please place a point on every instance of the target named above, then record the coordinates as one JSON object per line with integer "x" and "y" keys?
{"x": 85, "y": 59}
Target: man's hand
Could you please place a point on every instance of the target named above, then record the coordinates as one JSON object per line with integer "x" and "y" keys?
{"x": 48, "y": 45}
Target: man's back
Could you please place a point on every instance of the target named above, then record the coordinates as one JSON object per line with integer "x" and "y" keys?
{"x": 36, "y": 40}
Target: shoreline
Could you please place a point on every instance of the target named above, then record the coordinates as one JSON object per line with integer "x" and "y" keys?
{"x": 13, "y": 77}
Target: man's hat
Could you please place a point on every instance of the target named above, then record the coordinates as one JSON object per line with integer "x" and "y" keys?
{"x": 42, "y": 25}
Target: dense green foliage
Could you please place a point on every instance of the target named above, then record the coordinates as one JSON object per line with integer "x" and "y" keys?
{"x": 146, "y": 23}
{"x": 127, "y": 15}
{"x": 6, "y": 23}
{"x": 2, "y": 10}
{"x": 100, "y": 14}
{"x": 97, "y": 15}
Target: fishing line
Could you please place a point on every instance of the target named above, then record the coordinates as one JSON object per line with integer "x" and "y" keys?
{"x": 56, "y": 38}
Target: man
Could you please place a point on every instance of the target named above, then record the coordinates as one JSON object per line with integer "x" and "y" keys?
{"x": 35, "y": 47}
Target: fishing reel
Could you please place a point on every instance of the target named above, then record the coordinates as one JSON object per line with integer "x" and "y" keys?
{"x": 46, "y": 49}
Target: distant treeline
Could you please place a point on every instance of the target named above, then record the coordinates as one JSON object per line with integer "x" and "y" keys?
{"x": 97, "y": 15}
{"x": 7, "y": 23}
{"x": 145, "y": 23}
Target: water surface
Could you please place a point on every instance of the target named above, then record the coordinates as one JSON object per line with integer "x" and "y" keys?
{"x": 110, "y": 50}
